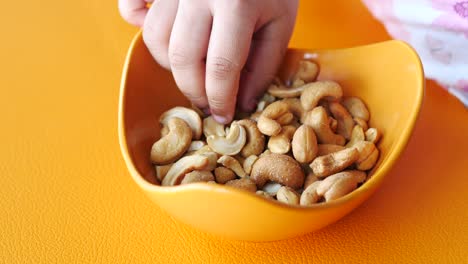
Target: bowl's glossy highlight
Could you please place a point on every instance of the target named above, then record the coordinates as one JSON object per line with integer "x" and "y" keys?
{"x": 388, "y": 76}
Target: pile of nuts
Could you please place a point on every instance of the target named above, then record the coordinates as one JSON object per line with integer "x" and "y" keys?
{"x": 305, "y": 144}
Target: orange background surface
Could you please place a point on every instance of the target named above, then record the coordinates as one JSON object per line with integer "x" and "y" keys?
{"x": 66, "y": 195}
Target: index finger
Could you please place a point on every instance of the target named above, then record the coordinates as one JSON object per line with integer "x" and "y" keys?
{"x": 228, "y": 49}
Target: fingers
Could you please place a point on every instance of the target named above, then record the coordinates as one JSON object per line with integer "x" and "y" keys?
{"x": 227, "y": 52}
{"x": 133, "y": 11}
{"x": 157, "y": 29}
{"x": 188, "y": 46}
{"x": 268, "y": 47}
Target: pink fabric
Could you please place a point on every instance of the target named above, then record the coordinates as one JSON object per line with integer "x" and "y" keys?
{"x": 438, "y": 30}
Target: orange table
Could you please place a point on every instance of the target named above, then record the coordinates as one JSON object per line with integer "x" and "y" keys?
{"x": 66, "y": 195}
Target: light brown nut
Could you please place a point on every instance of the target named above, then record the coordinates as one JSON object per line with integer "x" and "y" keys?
{"x": 212, "y": 160}
{"x": 309, "y": 196}
{"x": 243, "y": 184}
{"x": 197, "y": 176}
{"x": 294, "y": 106}
{"x": 285, "y": 119}
{"x": 184, "y": 166}
{"x": 265, "y": 101}
{"x": 314, "y": 92}
{"x": 356, "y": 135}
{"x": 271, "y": 188}
{"x": 282, "y": 91}
{"x": 212, "y": 128}
{"x": 356, "y": 108}
{"x": 361, "y": 122}
{"x": 278, "y": 168}
{"x": 335, "y": 162}
{"x": 202, "y": 150}
{"x": 345, "y": 120}
{"x": 307, "y": 71}
{"x": 188, "y": 115}
{"x": 172, "y": 146}
{"x": 287, "y": 196}
{"x": 255, "y": 116}
{"x": 266, "y": 152}
{"x": 373, "y": 135}
{"x": 367, "y": 155}
{"x": 255, "y": 142}
{"x": 333, "y": 124}
{"x": 267, "y": 123}
{"x": 318, "y": 120}
{"x": 264, "y": 194}
{"x": 324, "y": 149}
{"x": 224, "y": 175}
{"x": 249, "y": 162}
{"x": 161, "y": 171}
{"x": 304, "y": 144}
{"x": 196, "y": 145}
{"x": 298, "y": 83}
{"x": 231, "y": 144}
{"x": 281, "y": 143}
{"x": 233, "y": 164}
{"x": 340, "y": 184}
{"x": 310, "y": 178}
{"x": 164, "y": 131}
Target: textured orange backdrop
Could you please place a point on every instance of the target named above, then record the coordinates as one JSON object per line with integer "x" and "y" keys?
{"x": 65, "y": 194}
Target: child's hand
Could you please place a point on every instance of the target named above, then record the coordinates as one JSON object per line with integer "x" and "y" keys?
{"x": 216, "y": 47}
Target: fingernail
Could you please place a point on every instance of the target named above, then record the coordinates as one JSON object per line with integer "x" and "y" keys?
{"x": 221, "y": 119}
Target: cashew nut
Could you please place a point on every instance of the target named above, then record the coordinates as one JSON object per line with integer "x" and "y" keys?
{"x": 161, "y": 171}
{"x": 279, "y": 168}
{"x": 356, "y": 108}
{"x": 255, "y": 116}
{"x": 212, "y": 128}
{"x": 271, "y": 188}
{"x": 297, "y": 83}
{"x": 318, "y": 120}
{"x": 264, "y": 194}
{"x": 202, "y": 150}
{"x": 356, "y": 135}
{"x": 267, "y": 123}
{"x": 332, "y": 163}
{"x": 310, "y": 178}
{"x": 164, "y": 131}
{"x": 345, "y": 121}
{"x": 281, "y": 143}
{"x": 309, "y": 196}
{"x": 282, "y": 91}
{"x": 294, "y": 106}
{"x": 172, "y": 146}
{"x": 287, "y": 196}
{"x": 340, "y": 184}
{"x": 184, "y": 166}
{"x": 196, "y": 145}
{"x": 233, "y": 164}
{"x": 249, "y": 162}
{"x": 324, "y": 149}
{"x": 304, "y": 144}
{"x": 265, "y": 101}
{"x": 231, "y": 144}
{"x": 285, "y": 119}
{"x": 243, "y": 184}
{"x": 307, "y": 71}
{"x": 266, "y": 152}
{"x": 255, "y": 142}
{"x": 197, "y": 176}
{"x": 361, "y": 122}
{"x": 333, "y": 124}
{"x": 224, "y": 175}
{"x": 315, "y": 91}
{"x": 373, "y": 135}
{"x": 367, "y": 155}
{"x": 188, "y": 115}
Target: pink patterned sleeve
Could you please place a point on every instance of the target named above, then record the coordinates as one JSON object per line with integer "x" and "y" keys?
{"x": 438, "y": 30}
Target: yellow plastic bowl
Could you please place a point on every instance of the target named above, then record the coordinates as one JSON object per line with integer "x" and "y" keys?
{"x": 388, "y": 76}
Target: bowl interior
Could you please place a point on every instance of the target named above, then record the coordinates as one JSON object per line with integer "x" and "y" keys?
{"x": 388, "y": 76}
